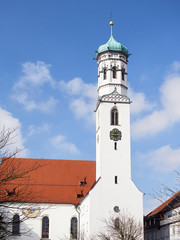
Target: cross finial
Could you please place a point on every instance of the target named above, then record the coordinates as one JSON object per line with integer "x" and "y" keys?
{"x": 111, "y": 16}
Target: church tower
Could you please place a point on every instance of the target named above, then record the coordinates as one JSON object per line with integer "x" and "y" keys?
{"x": 113, "y": 113}
{"x": 114, "y": 191}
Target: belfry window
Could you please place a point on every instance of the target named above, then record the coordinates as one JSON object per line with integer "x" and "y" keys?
{"x": 104, "y": 73}
{"x": 123, "y": 74}
{"x": 16, "y": 225}
{"x": 114, "y": 116}
{"x": 74, "y": 228}
{"x": 114, "y": 72}
{"x": 45, "y": 227}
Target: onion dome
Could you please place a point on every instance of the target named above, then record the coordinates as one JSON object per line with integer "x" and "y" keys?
{"x": 112, "y": 44}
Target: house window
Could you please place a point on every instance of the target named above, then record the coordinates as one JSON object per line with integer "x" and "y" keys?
{"x": 74, "y": 228}
{"x": 104, "y": 73}
{"x": 16, "y": 225}
{"x": 116, "y": 223}
{"x": 45, "y": 227}
{"x": 116, "y": 180}
{"x": 114, "y": 116}
{"x": 114, "y": 72}
{"x": 123, "y": 74}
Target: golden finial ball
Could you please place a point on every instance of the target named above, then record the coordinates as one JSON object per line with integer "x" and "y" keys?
{"x": 111, "y": 23}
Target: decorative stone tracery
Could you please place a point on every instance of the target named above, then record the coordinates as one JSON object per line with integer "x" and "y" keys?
{"x": 114, "y": 97}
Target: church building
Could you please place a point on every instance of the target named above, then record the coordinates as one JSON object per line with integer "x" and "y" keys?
{"x": 72, "y": 198}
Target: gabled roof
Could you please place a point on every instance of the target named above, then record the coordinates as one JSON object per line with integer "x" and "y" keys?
{"x": 167, "y": 205}
{"x": 55, "y": 181}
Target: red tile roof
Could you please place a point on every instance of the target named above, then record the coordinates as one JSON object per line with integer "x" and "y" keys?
{"x": 55, "y": 181}
{"x": 165, "y": 204}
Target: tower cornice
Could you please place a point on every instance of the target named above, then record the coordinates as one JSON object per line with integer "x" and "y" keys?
{"x": 113, "y": 97}
{"x": 113, "y": 84}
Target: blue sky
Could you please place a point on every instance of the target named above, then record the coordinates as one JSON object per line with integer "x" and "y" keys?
{"x": 48, "y": 79}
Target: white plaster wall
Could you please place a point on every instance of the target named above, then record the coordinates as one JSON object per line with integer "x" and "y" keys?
{"x": 104, "y": 198}
{"x": 174, "y": 231}
{"x": 111, "y": 162}
{"x": 85, "y": 217}
{"x": 108, "y": 60}
{"x": 172, "y": 222}
{"x": 59, "y": 221}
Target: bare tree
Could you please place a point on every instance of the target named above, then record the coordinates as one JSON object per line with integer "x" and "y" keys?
{"x": 121, "y": 226}
{"x": 164, "y": 192}
{"x": 14, "y": 182}
{"x": 169, "y": 197}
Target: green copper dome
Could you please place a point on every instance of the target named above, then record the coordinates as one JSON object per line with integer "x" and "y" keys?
{"x": 112, "y": 44}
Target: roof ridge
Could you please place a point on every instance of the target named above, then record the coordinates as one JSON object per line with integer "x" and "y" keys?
{"x": 163, "y": 205}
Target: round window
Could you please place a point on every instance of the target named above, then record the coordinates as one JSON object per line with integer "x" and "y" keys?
{"x": 116, "y": 209}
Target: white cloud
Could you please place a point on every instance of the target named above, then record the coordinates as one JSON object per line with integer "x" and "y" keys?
{"x": 60, "y": 142}
{"x": 176, "y": 66}
{"x": 11, "y": 123}
{"x": 83, "y": 98}
{"x": 164, "y": 159}
{"x": 34, "y": 74}
{"x": 30, "y": 104}
{"x": 77, "y": 87}
{"x": 139, "y": 102}
{"x": 38, "y": 129}
{"x": 151, "y": 124}
{"x": 170, "y": 97}
{"x": 159, "y": 120}
{"x": 84, "y": 109}
{"x": 29, "y": 89}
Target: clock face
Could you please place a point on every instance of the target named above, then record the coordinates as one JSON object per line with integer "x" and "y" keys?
{"x": 115, "y": 134}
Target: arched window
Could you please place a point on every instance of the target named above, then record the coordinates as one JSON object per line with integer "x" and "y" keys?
{"x": 45, "y": 227}
{"x": 116, "y": 223}
{"x": 74, "y": 228}
{"x": 114, "y": 116}
{"x": 104, "y": 73}
{"x": 114, "y": 72}
{"x": 123, "y": 74}
{"x": 16, "y": 225}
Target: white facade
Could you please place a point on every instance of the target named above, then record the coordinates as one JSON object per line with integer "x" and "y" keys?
{"x": 59, "y": 215}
